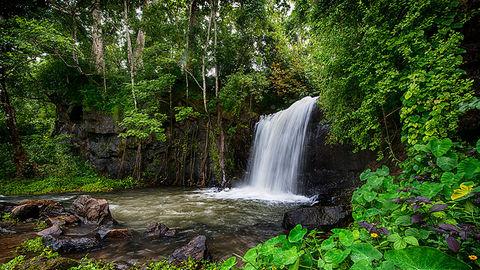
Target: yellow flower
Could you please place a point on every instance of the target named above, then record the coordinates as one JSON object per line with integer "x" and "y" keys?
{"x": 473, "y": 257}
{"x": 463, "y": 191}
{"x": 374, "y": 235}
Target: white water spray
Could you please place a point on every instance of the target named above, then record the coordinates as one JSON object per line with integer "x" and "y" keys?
{"x": 276, "y": 158}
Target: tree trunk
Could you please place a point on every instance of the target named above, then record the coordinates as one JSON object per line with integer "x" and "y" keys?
{"x": 97, "y": 41}
{"x": 20, "y": 157}
{"x": 221, "y": 148}
{"x": 130, "y": 56}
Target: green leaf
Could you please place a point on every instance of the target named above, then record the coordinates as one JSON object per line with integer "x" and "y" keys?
{"x": 369, "y": 196}
{"x": 440, "y": 147}
{"x": 478, "y": 146}
{"x": 362, "y": 265}
{"x": 429, "y": 189}
{"x": 447, "y": 163}
{"x": 345, "y": 236}
{"x": 364, "y": 251}
{"x": 393, "y": 237}
{"x": 336, "y": 256}
{"x": 411, "y": 240}
{"x": 229, "y": 263}
{"x": 405, "y": 220}
{"x": 297, "y": 234}
{"x": 425, "y": 258}
{"x": 328, "y": 244}
{"x": 469, "y": 167}
{"x": 399, "y": 244}
{"x": 285, "y": 257}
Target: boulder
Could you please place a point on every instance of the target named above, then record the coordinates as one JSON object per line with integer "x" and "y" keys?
{"x": 4, "y": 231}
{"x": 195, "y": 249}
{"x": 33, "y": 209}
{"x": 54, "y": 230}
{"x": 26, "y": 211}
{"x": 7, "y": 206}
{"x": 158, "y": 230}
{"x": 68, "y": 244}
{"x": 64, "y": 220}
{"x": 92, "y": 211}
{"x": 318, "y": 217}
{"x": 123, "y": 233}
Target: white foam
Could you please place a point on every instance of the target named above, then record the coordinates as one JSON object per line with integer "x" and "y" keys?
{"x": 255, "y": 194}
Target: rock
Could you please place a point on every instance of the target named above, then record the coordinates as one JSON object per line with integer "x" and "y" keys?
{"x": 4, "y": 231}
{"x": 92, "y": 211}
{"x": 68, "y": 244}
{"x": 317, "y": 217}
{"x": 64, "y": 220}
{"x": 54, "y": 230}
{"x": 7, "y": 206}
{"x": 115, "y": 233}
{"x": 195, "y": 249}
{"x": 158, "y": 230}
{"x": 26, "y": 211}
{"x": 33, "y": 209}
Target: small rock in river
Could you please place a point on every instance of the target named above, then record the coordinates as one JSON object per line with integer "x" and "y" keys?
{"x": 195, "y": 249}
{"x": 92, "y": 211}
{"x": 158, "y": 230}
{"x": 54, "y": 230}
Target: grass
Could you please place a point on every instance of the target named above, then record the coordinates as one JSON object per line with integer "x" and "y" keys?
{"x": 54, "y": 184}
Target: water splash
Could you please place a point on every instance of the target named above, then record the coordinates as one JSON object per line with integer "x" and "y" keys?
{"x": 276, "y": 158}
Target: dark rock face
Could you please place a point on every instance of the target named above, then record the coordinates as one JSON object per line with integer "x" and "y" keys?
{"x": 195, "y": 249}
{"x": 92, "y": 211}
{"x": 318, "y": 217}
{"x": 159, "y": 230}
{"x": 330, "y": 171}
{"x": 181, "y": 161}
{"x": 72, "y": 244}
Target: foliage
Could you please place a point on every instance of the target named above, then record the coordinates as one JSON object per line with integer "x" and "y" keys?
{"x": 382, "y": 63}
{"x": 429, "y": 209}
{"x": 184, "y": 113}
{"x": 141, "y": 126}
{"x": 185, "y": 265}
{"x": 89, "y": 264}
{"x": 61, "y": 184}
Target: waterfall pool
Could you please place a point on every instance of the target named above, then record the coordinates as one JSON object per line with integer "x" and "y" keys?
{"x": 232, "y": 225}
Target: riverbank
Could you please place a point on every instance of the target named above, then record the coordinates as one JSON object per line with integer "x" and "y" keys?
{"x": 53, "y": 184}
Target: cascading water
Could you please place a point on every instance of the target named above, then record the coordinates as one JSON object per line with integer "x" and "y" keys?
{"x": 278, "y": 148}
{"x": 276, "y": 157}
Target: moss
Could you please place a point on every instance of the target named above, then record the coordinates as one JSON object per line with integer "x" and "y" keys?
{"x": 64, "y": 184}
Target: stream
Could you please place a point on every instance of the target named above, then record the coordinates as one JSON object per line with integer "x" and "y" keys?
{"x": 231, "y": 224}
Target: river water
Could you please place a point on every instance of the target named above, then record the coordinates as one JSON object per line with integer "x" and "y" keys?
{"x": 231, "y": 225}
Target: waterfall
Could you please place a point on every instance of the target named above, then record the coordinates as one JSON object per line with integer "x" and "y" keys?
{"x": 275, "y": 161}
{"x": 276, "y": 158}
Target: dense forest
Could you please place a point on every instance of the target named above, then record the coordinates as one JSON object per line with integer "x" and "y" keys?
{"x": 101, "y": 96}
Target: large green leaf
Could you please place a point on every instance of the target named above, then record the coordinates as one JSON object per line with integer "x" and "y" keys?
{"x": 469, "y": 167}
{"x": 345, "y": 236}
{"x": 285, "y": 257}
{"x": 336, "y": 256}
{"x": 423, "y": 258}
{"x": 440, "y": 147}
{"x": 364, "y": 251}
{"x": 447, "y": 163}
{"x": 297, "y": 234}
{"x": 229, "y": 263}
